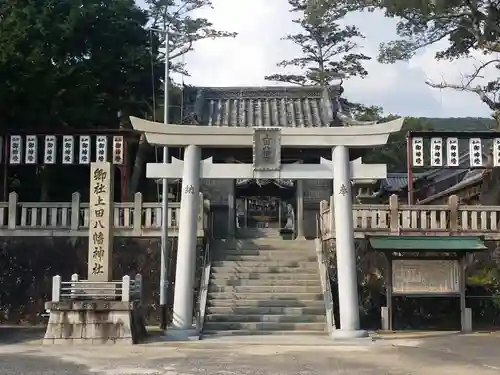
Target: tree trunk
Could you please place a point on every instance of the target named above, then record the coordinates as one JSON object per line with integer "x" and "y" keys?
{"x": 44, "y": 183}
{"x": 490, "y": 192}
{"x": 138, "y": 169}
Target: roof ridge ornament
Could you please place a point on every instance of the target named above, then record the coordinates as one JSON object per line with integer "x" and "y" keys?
{"x": 348, "y": 121}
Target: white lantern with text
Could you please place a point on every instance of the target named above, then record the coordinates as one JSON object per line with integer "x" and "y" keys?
{"x": 418, "y": 152}
{"x": 31, "y": 149}
{"x": 16, "y": 149}
{"x": 475, "y": 153}
{"x": 118, "y": 151}
{"x": 452, "y": 159}
{"x": 496, "y": 152}
{"x": 50, "y": 149}
{"x": 68, "y": 149}
{"x": 84, "y": 151}
{"x": 436, "y": 152}
{"x": 101, "y": 147}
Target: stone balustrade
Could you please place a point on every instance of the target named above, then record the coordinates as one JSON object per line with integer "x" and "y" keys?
{"x": 131, "y": 219}
{"x": 395, "y": 219}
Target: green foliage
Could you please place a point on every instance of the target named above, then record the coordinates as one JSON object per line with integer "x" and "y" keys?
{"x": 328, "y": 49}
{"x": 67, "y": 64}
{"x": 467, "y": 26}
{"x": 73, "y": 63}
{"x": 184, "y": 29}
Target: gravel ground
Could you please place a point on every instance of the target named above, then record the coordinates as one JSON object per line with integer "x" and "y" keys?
{"x": 453, "y": 355}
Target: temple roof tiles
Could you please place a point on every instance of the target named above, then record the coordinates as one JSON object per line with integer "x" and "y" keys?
{"x": 281, "y": 106}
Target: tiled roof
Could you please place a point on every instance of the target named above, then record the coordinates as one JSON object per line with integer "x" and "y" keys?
{"x": 472, "y": 177}
{"x": 398, "y": 181}
{"x": 287, "y": 106}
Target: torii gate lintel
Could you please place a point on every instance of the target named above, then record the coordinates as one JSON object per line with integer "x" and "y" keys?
{"x": 211, "y": 170}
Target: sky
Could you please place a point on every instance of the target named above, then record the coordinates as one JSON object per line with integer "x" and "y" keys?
{"x": 398, "y": 88}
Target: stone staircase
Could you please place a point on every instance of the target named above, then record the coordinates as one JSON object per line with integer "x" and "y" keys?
{"x": 264, "y": 286}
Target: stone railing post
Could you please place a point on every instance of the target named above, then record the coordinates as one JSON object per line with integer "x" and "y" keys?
{"x": 201, "y": 214}
{"x": 206, "y": 213}
{"x": 56, "y": 288}
{"x": 75, "y": 211}
{"x": 332, "y": 216}
{"x": 138, "y": 286}
{"x": 394, "y": 213}
{"x": 138, "y": 214}
{"x": 453, "y": 212}
{"x": 12, "y": 219}
{"x": 323, "y": 206}
{"x": 74, "y": 279}
{"x": 126, "y": 288}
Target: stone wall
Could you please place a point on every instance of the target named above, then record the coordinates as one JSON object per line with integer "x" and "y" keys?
{"x": 27, "y": 266}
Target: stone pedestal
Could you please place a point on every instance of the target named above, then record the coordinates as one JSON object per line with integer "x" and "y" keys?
{"x": 95, "y": 322}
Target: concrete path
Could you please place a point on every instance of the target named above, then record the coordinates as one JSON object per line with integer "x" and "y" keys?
{"x": 440, "y": 355}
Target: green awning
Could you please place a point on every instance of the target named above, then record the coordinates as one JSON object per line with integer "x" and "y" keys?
{"x": 427, "y": 243}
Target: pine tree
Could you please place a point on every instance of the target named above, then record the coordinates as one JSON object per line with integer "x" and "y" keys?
{"x": 328, "y": 48}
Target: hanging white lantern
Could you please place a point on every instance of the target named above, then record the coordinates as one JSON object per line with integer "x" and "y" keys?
{"x": 84, "y": 151}
{"x": 118, "y": 151}
{"x": 16, "y": 149}
{"x": 452, "y": 158}
{"x": 475, "y": 152}
{"x": 101, "y": 147}
{"x": 50, "y": 149}
{"x": 436, "y": 152}
{"x": 68, "y": 149}
{"x": 417, "y": 152}
{"x": 496, "y": 152}
{"x": 31, "y": 155}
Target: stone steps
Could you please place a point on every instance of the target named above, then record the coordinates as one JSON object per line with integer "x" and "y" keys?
{"x": 264, "y": 286}
{"x": 264, "y": 244}
{"x": 275, "y": 270}
{"x": 223, "y": 274}
{"x": 265, "y": 318}
{"x": 279, "y": 289}
{"x": 259, "y": 233}
{"x": 235, "y": 282}
{"x": 264, "y": 326}
{"x": 256, "y": 332}
{"x": 264, "y": 304}
{"x": 269, "y": 296}
{"x": 270, "y": 310}
{"x": 268, "y": 258}
{"x": 291, "y": 265}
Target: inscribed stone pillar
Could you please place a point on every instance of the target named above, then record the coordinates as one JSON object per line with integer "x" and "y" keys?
{"x": 100, "y": 223}
{"x": 344, "y": 246}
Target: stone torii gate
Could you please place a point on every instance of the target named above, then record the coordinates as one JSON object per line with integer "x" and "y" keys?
{"x": 266, "y": 143}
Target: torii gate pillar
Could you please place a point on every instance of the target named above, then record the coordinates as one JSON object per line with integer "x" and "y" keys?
{"x": 182, "y": 320}
{"x": 344, "y": 248}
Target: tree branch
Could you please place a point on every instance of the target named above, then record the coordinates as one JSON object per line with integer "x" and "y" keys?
{"x": 478, "y": 90}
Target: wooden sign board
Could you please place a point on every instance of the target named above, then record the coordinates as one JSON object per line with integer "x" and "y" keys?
{"x": 425, "y": 276}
